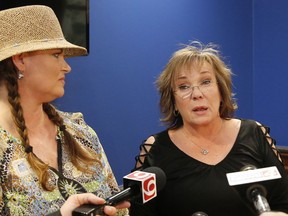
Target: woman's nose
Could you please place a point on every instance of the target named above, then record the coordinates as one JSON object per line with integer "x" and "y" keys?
{"x": 66, "y": 67}
{"x": 196, "y": 93}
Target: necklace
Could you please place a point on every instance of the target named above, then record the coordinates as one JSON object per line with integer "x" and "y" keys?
{"x": 202, "y": 150}
{"x": 65, "y": 185}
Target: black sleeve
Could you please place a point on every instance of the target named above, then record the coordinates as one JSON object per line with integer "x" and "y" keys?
{"x": 143, "y": 210}
{"x": 277, "y": 190}
{"x": 147, "y": 209}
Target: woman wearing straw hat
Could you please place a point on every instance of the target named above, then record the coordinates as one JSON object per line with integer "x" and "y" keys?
{"x": 46, "y": 156}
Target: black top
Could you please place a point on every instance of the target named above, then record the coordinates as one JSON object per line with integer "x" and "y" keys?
{"x": 194, "y": 186}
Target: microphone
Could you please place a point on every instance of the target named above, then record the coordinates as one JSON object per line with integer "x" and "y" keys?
{"x": 248, "y": 181}
{"x": 199, "y": 213}
{"x": 256, "y": 194}
{"x": 139, "y": 186}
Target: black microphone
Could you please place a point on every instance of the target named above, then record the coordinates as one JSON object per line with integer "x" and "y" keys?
{"x": 256, "y": 193}
{"x": 199, "y": 213}
{"x": 139, "y": 186}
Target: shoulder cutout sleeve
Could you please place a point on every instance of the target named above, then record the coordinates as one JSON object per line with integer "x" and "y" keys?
{"x": 144, "y": 150}
{"x": 271, "y": 141}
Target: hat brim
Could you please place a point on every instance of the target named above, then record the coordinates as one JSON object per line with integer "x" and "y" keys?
{"x": 69, "y": 49}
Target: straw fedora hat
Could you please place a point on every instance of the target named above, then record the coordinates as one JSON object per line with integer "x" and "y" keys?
{"x": 31, "y": 28}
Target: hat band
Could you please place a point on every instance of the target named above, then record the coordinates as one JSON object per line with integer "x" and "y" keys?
{"x": 32, "y": 42}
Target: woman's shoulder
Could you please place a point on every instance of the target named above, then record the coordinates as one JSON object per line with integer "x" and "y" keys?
{"x": 76, "y": 125}
{"x": 156, "y": 136}
{"x": 74, "y": 120}
{"x": 251, "y": 123}
{"x": 253, "y": 128}
{"x": 71, "y": 116}
{"x": 244, "y": 120}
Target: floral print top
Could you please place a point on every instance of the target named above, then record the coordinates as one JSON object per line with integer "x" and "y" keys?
{"x": 20, "y": 191}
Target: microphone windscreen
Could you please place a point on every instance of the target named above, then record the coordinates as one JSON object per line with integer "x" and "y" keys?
{"x": 160, "y": 176}
{"x": 254, "y": 190}
{"x": 199, "y": 214}
{"x": 248, "y": 167}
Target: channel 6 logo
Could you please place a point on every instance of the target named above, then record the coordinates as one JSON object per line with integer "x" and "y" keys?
{"x": 146, "y": 181}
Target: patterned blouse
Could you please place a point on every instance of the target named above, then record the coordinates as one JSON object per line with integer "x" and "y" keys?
{"x": 20, "y": 191}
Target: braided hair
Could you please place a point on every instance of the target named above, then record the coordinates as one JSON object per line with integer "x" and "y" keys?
{"x": 79, "y": 157}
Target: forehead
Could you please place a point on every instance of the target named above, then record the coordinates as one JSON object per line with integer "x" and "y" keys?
{"x": 195, "y": 69}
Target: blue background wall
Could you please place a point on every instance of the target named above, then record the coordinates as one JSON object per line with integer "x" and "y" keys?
{"x": 130, "y": 43}
{"x": 270, "y": 75}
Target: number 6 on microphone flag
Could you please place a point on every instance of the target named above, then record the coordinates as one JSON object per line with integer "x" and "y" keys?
{"x": 146, "y": 182}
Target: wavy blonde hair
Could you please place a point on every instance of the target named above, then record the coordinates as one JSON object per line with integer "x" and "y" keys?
{"x": 194, "y": 53}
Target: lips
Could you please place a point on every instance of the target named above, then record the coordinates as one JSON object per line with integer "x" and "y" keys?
{"x": 200, "y": 108}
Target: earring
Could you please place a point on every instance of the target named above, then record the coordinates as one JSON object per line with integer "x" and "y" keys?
{"x": 20, "y": 75}
{"x": 176, "y": 113}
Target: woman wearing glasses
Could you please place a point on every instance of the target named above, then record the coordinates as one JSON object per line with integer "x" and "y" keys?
{"x": 203, "y": 142}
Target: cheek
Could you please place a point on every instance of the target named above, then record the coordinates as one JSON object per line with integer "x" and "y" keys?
{"x": 182, "y": 105}
{"x": 216, "y": 100}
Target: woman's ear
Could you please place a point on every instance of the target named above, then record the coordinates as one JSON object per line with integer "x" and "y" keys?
{"x": 18, "y": 61}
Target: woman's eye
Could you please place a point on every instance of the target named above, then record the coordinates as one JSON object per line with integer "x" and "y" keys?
{"x": 183, "y": 87}
{"x": 206, "y": 82}
{"x": 56, "y": 55}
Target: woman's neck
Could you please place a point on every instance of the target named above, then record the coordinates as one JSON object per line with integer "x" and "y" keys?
{"x": 208, "y": 131}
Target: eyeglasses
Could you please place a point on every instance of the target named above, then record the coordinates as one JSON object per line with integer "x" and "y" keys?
{"x": 185, "y": 91}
